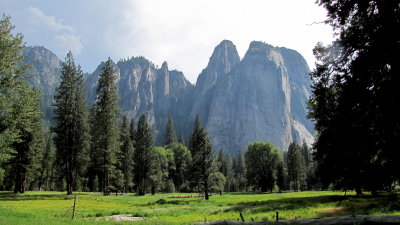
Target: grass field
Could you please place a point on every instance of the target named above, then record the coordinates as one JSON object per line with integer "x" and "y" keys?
{"x": 55, "y": 207}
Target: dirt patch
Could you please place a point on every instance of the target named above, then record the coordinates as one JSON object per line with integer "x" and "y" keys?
{"x": 333, "y": 210}
{"x": 123, "y": 217}
{"x": 361, "y": 204}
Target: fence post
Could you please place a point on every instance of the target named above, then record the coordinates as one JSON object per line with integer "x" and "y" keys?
{"x": 73, "y": 208}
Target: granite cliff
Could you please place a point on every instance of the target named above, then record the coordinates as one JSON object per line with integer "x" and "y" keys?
{"x": 261, "y": 98}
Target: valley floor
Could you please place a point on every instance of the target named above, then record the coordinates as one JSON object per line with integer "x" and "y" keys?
{"x": 93, "y": 208}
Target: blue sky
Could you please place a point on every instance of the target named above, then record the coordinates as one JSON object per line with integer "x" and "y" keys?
{"x": 181, "y": 32}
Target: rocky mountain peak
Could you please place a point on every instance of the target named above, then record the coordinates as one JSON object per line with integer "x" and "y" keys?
{"x": 46, "y": 75}
{"x": 224, "y": 58}
{"x": 261, "y": 51}
{"x": 40, "y": 54}
{"x": 164, "y": 66}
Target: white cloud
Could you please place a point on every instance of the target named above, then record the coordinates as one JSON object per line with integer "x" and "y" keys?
{"x": 41, "y": 29}
{"x": 37, "y": 17}
{"x": 182, "y": 32}
{"x": 185, "y": 32}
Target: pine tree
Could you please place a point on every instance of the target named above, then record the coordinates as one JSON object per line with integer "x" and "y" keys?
{"x": 125, "y": 159}
{"x": 20, "y": 124}
{"x": 181, "y": 139}
{"x": 132, "y": 130}
{"x": 295, "y": 166}
{"x": 46, "y": 178}
{"x": 305, "y": 151}
{"x": 93, "y": 170}
{"x": 106, "y": 139}
{"x": 204, "y": 161}
{"x": 170, "y": 134}
{"x": 225, "y": 167}
{"x": 71, "y": 129}
{"x": 281, "y": 176}
{"x": 143, "y": 155}
{"x": 240, "y": 172}
{"x": 240, "y": 164}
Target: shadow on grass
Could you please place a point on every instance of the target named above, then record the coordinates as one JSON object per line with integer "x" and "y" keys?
{"x": 283, "y": 204}
{"x": 10, "y": 196}
{"x": 172, "y": 202}
{"x": 247, "y": 193}
{"x": 343, "y": 205}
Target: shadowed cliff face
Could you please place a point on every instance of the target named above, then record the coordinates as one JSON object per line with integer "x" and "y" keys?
{"x": 259, "y": 98}
{"x": 44, "y": 75}
{"x": 145, "y": 89}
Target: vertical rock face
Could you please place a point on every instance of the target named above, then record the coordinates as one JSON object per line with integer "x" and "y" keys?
{"x": 259, "y": 98}
{"x": 145, "y": 89}
{"x": 224, "y": 59}
{"x": 45, "y": 75}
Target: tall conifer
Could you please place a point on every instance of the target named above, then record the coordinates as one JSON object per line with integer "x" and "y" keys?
{"x": 170, "y": 134}
{"x": 125, "y": 163}
{"x": 204, "y": 161}
{"x": 71, "y": 129}
{"x": 106, "y": 126}
{"x": 295, "y": 166}
{"x": 143, "y": 155}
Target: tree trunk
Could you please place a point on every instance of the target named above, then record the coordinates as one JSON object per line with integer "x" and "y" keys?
{"x": 106, "y": 171}
{"x": 264, "y": 187}
{"x": 17, "y": 181}
{"x": 69, "y": 177}
{"x": 206, "y": 190}
{"x": 141, "y": 191}
{"x": 91, "y": 181}
{"x": 359, "y": 191}
{"x": 20, "y": 172}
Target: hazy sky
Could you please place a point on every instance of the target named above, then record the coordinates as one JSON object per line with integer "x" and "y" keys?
{"x": 181, "y": 32}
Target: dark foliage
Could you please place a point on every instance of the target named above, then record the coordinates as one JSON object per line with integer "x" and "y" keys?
{"x": 355, "y": 100}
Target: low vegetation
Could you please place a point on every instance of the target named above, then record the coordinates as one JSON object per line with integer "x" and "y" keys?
{"x": 93, "y": 208}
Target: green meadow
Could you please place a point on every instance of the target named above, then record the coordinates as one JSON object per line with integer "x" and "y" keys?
{"x": 92, "y": 208}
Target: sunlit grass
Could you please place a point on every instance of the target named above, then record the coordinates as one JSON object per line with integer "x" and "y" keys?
{"x": 56, "y": 207}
